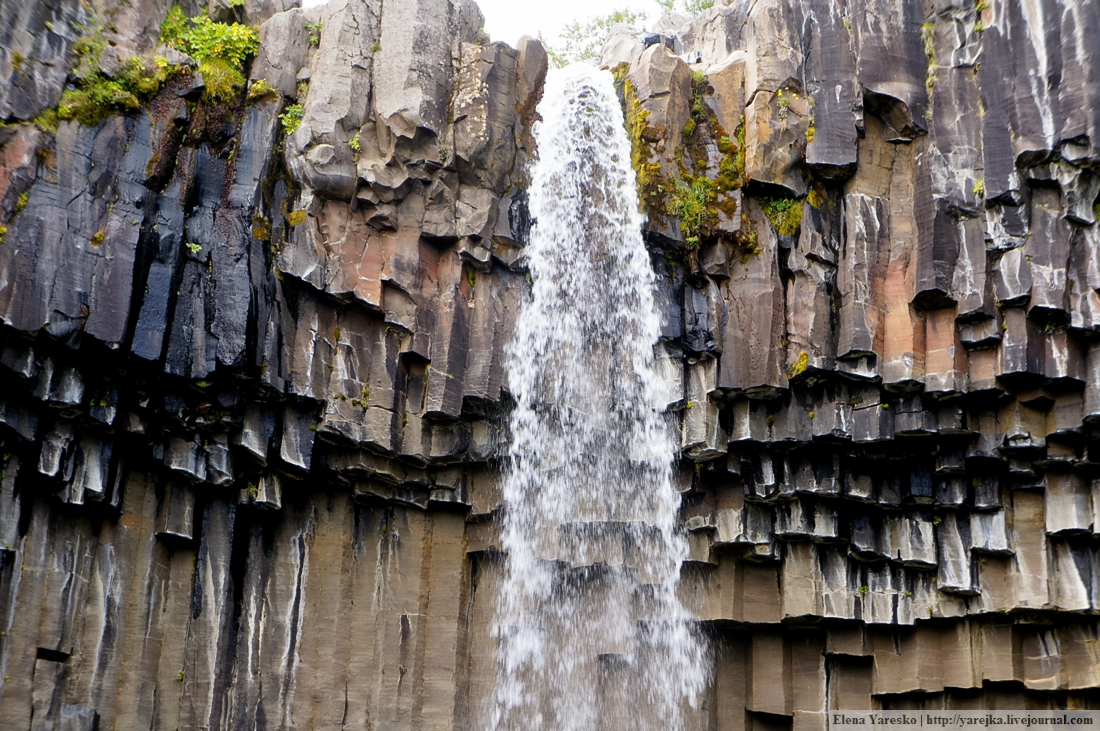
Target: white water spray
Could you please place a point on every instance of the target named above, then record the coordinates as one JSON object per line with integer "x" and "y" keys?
{"x": 592, "y": 635}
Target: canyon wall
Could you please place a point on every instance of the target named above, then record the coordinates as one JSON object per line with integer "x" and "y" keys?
{"x": 252, "y": 403}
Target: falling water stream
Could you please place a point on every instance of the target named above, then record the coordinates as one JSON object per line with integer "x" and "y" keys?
{"x": 591, "y": 632}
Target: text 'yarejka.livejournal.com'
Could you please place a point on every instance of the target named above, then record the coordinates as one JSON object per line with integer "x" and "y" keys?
{"x": 1001, "y": 720}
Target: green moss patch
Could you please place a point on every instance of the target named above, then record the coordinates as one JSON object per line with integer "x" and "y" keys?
{"x": 691, "y": 202}
{"x": 653, "y": 186}
{"x": 785, "y": 214}
{"x": 97, "y": 96}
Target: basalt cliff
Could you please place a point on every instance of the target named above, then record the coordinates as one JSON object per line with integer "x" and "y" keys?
{"x": 256, "y": 293}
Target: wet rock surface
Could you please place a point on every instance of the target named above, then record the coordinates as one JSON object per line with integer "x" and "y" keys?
{"x": 251, "y": 382}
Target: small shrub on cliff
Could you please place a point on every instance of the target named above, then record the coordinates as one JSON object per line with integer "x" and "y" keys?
{"x": 291, "y": 118}
{"x": 220, "y": 48}
{"x": 174, "y": 25}
{"x": 202, "y": 39}
{"x": 691, "y": 7}
{"x": 582, "y": 41}
{"x": 314, "y": 30}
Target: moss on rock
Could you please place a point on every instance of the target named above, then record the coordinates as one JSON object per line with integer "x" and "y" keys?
{"x": 785, "y": 214}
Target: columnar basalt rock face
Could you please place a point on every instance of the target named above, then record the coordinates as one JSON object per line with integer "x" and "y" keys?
{"x": 252, "y": 396}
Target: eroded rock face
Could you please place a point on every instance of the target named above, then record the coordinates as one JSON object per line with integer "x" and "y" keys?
{"x": 251, "y": 381}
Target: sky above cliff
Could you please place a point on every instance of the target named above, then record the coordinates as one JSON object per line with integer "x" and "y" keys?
{"x": 508, "y": 20}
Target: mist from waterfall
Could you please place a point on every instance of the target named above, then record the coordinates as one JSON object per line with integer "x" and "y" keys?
{"x": 591, "y": 632}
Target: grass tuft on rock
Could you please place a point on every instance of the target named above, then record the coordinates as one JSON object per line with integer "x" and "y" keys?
{"x": 784, "y": 213}
{"x": 691, "y": 202}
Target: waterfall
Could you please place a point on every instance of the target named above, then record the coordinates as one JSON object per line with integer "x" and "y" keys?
{"x": 591, "y": 632}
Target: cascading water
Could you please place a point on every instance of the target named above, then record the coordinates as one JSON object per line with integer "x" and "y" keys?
{"x": 591, "y": 632}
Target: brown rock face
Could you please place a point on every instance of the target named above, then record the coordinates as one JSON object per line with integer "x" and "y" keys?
{"x": 252, "y": 397}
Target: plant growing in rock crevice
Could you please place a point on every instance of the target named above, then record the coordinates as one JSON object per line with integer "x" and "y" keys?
{"x": 928, "y": 41}
{"x": 691, "y": 202}
{"x": 314, "y": 30}
{"x": 799, "y": 366}
{"x": 221, "y": 49}
{"x": 95, "y": 96}
{"x": 785, "y": 214}
{"x": 291, "y": 118}
{"x": 356, "y": 148}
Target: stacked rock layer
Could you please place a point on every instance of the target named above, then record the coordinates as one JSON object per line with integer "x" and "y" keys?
{"x": 252, "y": 401}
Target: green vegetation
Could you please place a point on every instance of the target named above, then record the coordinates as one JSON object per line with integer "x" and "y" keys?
{"x": 799, "y": 366}
{"x": 356, "y": 148}
{"x": 314, "y": 30}
{"x": 784, "y": 213}
{"x": 291, "y": 118}
{"x": 816, "y": 198}
{"x": 691, "y": 7}
{"x": 260, "y": 90}
{"x": 97, "y": 96}
{"x": 652, "y": 185}
{"x": 221, "y": 49}
{"x": 928, "y": 40}
{"x": 97, "y": 237}
{"x": 203, "y": 39}
{"x": 979, "y": 188}
{"x": 691, "y": 203}
{"x": 294, "y": 218}
{"x": 784, "y": 97}
{"x": 223, "y": 80}
{"x": 20, "y": 204}
{"x": 261, "y": 228}
{"x": 582, "y": 41}
{"x": 194, "y": 248}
